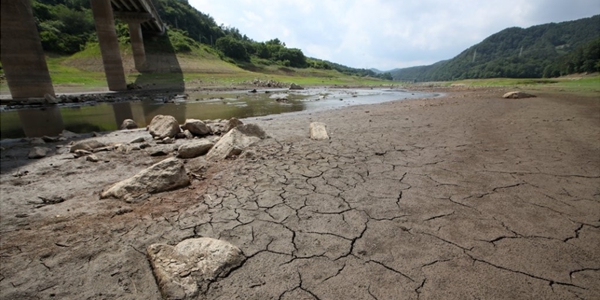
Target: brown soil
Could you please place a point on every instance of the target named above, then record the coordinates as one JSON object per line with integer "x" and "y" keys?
{"x": 460, "y": 197}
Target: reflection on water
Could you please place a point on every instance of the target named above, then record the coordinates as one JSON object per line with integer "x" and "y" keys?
{"x": 109, "y": 116}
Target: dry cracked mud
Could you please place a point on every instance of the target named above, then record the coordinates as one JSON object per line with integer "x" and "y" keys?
{"x": 468, "y": 196}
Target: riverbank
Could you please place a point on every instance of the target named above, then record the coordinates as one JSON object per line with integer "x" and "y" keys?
{"x": 468, "y": 195}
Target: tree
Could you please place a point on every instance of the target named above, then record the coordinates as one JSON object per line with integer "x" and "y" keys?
{"x": 232, "y": 48}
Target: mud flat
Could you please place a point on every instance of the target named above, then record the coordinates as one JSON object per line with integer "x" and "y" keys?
{"x": 464, "y": 196}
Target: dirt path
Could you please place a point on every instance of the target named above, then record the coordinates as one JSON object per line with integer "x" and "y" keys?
{"x": 463, "y": 197}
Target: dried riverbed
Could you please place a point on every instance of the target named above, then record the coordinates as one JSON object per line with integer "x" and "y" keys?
{"x": 465, "y": 196}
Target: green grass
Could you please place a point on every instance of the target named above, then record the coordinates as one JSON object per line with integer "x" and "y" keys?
{"x": 588, "y": 85}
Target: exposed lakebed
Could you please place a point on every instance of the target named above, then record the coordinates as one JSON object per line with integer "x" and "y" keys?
{"x": 95, "y": 116}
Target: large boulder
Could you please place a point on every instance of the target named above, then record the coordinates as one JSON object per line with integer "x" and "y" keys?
{"x": 235, "y": 141}
{"x": 194, "y": 149}
{"x": 196, "y": 127}
{"x": 163, "y": 126}
{"x": 185, "y": 270}
{"x": 318, "y": 131}
{"x": 87, "y": 145}
{"x": 517, "y": 95}
{"x": 163, "y": 176}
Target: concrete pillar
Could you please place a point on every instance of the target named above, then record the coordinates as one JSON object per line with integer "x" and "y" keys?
{"x": 21, "y": 52}
{"x": 137, "y": 45}
{"x": 109, "y": 45}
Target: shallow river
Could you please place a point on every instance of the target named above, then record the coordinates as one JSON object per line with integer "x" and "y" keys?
{"x": 98, "y": 117}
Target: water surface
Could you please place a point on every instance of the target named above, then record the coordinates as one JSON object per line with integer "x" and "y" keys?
{"x": 98, "y": 117}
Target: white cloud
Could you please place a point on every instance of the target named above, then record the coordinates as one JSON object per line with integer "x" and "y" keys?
{"x": 387, "y": 34}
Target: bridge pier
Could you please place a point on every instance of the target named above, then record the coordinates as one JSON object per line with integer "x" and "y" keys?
{"x": 137, "y": 45}
{"x": 21, "y": 51}
{"x": 109, "y": 44}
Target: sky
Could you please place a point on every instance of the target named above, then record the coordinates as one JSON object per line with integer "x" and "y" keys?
{"x": 387, "y": 34}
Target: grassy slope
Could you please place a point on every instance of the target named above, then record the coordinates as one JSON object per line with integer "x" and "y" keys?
{"x": 585, "y": 85}
{"x": 201, "y": 67}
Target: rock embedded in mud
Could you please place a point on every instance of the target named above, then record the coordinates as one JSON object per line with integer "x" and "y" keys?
{"x": 185, "y": 270}
{"x": 194, "y": 149}
{"x": 165, "y": 175}
{"x": 235, "y": 141}
{"x": 318, "y": 131}
{"x": 517, "y": 95}
{"x": 128, "y": 124}
{"x": 88, "y": 145}
{"x": 196, "y": 127}
{"x": 38, "y": 152}
{"x": 163, "y": 126}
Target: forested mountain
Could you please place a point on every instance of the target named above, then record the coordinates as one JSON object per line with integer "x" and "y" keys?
{"x": 520, "y": 53}
{"x": 67, "y": 26}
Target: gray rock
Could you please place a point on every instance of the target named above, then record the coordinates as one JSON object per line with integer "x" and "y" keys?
{"x": 141, "y": 139}
{"x": 188, "y": 134}
{"x": 163, "y": 126}
{"x": 517, "y": 95}
{"x": 194, "y": 149}
{"x": 235, "y": 141}
{"x": 92, "y": 158}
{"x": 50, "y": 139}
{"x": 216, "y": 128}
{"x": 318, "y": 131}
{"x": 187, "y": 269}
{"x": 80, "y": 153}
{"x": 163, "y": 176}
{"x": 294, "y": 86}
{"x": 196, "y": 127}
{"x": 88, "y": 145}
{"x": 50, "y": 99}
{"x": 68, "y": 134}
{"x": 36, "y": 141}
{"x": 129, "y": 124}
{"x": 232, "y": 123}
{"x": 38, "y": 152}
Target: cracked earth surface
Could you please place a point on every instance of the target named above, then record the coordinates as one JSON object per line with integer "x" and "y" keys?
{"x": 468, "y": 196}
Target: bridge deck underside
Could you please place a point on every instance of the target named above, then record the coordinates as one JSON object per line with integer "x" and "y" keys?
{"x": 142, "y": 11}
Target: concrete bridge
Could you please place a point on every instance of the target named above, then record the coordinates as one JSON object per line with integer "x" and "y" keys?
{"x": 23, "y": 58}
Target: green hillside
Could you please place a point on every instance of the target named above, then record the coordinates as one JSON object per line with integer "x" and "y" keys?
{"x": 516, "y": 53}
{"x": 66, "y": 28}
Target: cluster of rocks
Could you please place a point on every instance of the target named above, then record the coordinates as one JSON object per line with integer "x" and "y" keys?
{"x": 267, "y": 83}
{"x": 90, "y": 99}
{"x": 274, "y": 84}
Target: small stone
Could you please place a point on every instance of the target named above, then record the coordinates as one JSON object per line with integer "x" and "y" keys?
{"x": 188, "y": 134}
{"x": 128, "y": 124}
{"x": 232, "y": 123}
{"x": 37, "y": 141}
{"x": 517, "y": 95}
{"x": 88, "y": 145}
{"x": 294, "y": 86}
{"x": 92, "y": 158}
{"x": 194, "y": 149}
{"x": 80, "y": 153}
{"x": 50, "y": 139}
{"x": 318, "y": 131}
{"x": 141, "y": 139}
{"x": 38, "y": 152}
